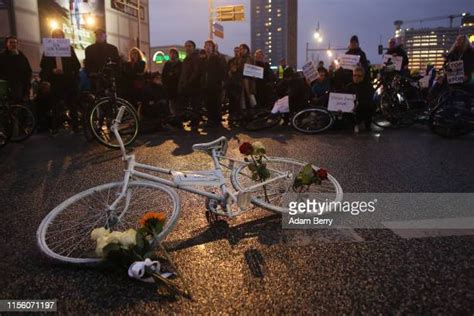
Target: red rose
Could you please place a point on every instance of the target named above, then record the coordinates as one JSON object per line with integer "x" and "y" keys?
{"x": 246, "y": 148}
{"x": 322, "y": 174}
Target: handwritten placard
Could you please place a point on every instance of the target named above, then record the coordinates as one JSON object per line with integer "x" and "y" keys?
{"x": 342, "y": 102}
{"x": 281, "y": 106}
{"x": 455, "y": 72}
{"x": 253, "y": 71}
{"x": 310, "y": 71}
{"x": 57, "y": 47}
{"x": 348, "y": 61}
{"x": 394, "y": 62}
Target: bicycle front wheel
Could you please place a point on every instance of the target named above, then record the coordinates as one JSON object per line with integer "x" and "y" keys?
{"x": 65, "y": 233}
{"x": 275, "y": 195}
{"x": 312, "y": 121}
{"x": 101, "y": 117}
{"x": 23, "y": 122}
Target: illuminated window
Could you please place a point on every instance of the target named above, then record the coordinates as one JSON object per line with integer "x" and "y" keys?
{"x": 279, "y": 30}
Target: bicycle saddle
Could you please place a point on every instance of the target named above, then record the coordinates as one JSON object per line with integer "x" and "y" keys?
{"x": 219, "y": 145}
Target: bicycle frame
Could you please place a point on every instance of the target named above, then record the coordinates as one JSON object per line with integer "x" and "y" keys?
{"x": 225, "y": 197}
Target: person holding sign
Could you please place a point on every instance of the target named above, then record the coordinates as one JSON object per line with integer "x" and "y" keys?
{"x": 364, "y": 92}
{"x": 15, "y": 69}
{"x": 395, "y": 49}
{"x": 354, "y": 49}
{"x": 462, "y": 51}
{"x": 62, "y": 73}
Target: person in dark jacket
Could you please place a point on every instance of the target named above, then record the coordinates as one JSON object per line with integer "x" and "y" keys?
{"x": 264, "y": 86}
{"x": 15, "y": 69}
{"x": 170, "y": 76}
{"x": 134, "y": 76}
{"x": 99, "y": 53}
{"x": 189, "y": 80}
{"x": 364, "y": 92}
{"x": 62, "y": 73}
{"x": 234, "y": 88}
{"x": 213, "y": 77}
{"x": 396, "y": 49}
{"x": 354, "y": 49}
{"x": 462, "y": 50}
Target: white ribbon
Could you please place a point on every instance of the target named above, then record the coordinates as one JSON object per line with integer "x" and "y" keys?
{"x": 138, "y": 269}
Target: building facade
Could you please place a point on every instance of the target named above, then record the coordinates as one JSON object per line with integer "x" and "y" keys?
{"x": 274, "y": 29}
{"x": 33, "y": 20}
{"x": 429, "y": 45}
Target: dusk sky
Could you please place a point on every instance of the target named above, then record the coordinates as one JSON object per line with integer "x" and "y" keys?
{"x": 173, "y": 22}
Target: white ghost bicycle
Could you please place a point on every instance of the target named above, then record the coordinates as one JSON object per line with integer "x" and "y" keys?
{"x": 64, "y": 234}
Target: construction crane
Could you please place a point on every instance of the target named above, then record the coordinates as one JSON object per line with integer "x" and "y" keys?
{"x": 398, "y": 23}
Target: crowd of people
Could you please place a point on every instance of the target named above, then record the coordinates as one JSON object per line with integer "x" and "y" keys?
{"x": 203, "y": 79}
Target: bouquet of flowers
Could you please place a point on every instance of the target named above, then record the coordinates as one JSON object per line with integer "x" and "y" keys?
{"x": 255, "y": 154}
{"x": 134, "y": 249}
{"x": 309, "y": 176}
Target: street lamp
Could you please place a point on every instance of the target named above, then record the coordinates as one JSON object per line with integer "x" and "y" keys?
{"x": 90, "y": 21}
{"x": 53, "y": 24}
{"x": 329, "y": 52}
{"x": 318, "y": 38}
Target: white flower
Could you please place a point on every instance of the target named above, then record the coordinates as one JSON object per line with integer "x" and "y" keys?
{"x": 128, "y": 238}
{"x": 99, "y": 232}
{"x": 102, "y": 241}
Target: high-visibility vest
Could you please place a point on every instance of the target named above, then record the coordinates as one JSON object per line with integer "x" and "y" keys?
{"x": 281, "y": 70}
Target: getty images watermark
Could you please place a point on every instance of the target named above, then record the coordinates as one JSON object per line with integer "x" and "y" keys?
{"x": 380, "y": 210}
{"x": 314, "y": 212}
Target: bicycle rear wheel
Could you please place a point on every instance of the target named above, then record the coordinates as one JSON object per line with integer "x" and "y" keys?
{"x": 448, "y": 122}
{"x": 263, "y": 122}
{"x": 23, "y": 122}
{"x": 65, "y": 233}
{"x": 312, "y": 121}
{"x": 101, "y": 117}
{"x": 281, "y": 192}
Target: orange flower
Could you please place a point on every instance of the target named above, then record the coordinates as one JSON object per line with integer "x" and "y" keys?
{"x": 151, "y": 218}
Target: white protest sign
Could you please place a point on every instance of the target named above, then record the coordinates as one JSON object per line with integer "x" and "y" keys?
{"x": 281, "y": 106}
{"x": 348, "y": 61}
{"x": 425, "y": 81}
{"x": 394, "y": 62}
{"x": 341, "y": 102}
{"x": 56, "y": 47}
{"x": 455, "y": 72}
{"x": 310, "y": 71}
{"x": 253, "y": 71}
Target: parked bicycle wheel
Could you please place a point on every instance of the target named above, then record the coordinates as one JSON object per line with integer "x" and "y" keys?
{"x": 263, "y": 122}
{"x": 23, "y": 122}
{"x": 453, "y": 117}
{"x": 65, "y": 233}
{"x": 313, "y": 120}
{"x": 101, "y": 117}
{"x": 394, "y": 111}
{"x": 280, "y": 192}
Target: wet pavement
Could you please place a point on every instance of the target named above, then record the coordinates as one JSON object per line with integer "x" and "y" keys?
{"x": 249, "y": 264}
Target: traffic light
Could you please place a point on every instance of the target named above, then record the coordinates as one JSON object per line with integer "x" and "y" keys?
{"x": 380, "y": 49}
